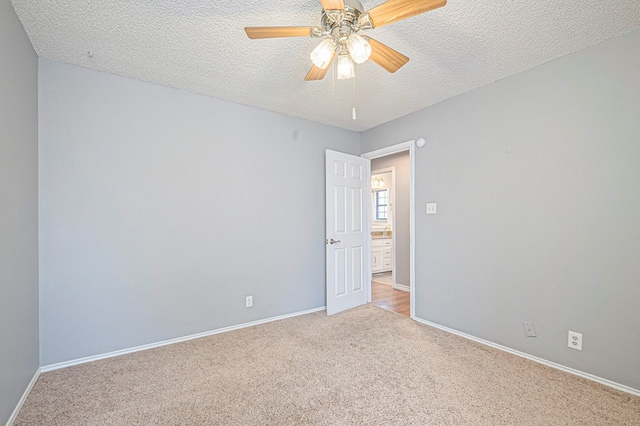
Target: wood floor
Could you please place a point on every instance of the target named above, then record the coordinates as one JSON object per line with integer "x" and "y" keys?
{"x": 386, "y": 297}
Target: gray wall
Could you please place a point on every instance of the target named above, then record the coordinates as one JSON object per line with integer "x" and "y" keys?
{"x": 537, "y": 180}
{"x": 18, "y": 211}
{"x": 401, "y": 162}
{"x": 160, "y": 210}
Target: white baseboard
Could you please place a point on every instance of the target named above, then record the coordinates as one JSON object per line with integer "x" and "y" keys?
{"x": 543, "y": 361}
{"x": 24, "y": 397}
{"x": 92, "y": 358}
{"x": 402, "y": 287}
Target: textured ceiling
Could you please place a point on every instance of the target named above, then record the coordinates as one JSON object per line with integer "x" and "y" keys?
{"x": 200, "y": 46}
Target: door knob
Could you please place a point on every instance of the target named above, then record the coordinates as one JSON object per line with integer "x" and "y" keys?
{"x": 332, "y": 241}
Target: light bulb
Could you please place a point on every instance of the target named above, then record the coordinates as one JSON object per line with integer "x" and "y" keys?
{"x": 359, "y": 48}
{"x": 346, "y": 68}
{"x": 322, "y": 54}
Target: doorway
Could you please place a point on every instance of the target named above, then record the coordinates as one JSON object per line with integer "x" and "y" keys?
{"x": 392, "y": 228}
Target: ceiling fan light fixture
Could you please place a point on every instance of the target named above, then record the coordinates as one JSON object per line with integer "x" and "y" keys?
{"x": 359, "y": 48}
{"x": 322, "y": 54}
{"x": 346, "y": 67}
{"x": 340, "y": 22}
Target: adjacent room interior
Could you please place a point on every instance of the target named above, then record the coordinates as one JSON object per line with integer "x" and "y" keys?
{"x": 390, "y": 232}
{"x": 162, "y": 193}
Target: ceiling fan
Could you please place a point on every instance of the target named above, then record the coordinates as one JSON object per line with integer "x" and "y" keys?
{"x": 340, "y": 23}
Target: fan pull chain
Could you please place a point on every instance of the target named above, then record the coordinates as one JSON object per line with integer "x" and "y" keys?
{"x": 354, "y": 115}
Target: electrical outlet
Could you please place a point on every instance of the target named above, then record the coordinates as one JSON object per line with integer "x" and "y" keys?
{"x": 529, "y": 330}
{"x": 575, "y": 340}
{"x": 249, "y": 301}
{"x": 432, "y": 208}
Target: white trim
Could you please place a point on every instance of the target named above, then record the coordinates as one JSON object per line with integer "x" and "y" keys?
{"x": 543, "y": 361}
{"x": 394, "y": 149}
{"x": 24, "y": 397}
{"x": 401, "y": 287}
{"x": 92, "y": 358}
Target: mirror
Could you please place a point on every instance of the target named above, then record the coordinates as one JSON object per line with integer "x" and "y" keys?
{"x": 381, "y": 201}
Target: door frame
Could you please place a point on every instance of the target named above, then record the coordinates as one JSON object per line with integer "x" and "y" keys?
{"x": 383, "y": 152}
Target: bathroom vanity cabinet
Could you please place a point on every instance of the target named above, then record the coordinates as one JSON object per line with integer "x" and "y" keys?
{"x": 381, "y": 254}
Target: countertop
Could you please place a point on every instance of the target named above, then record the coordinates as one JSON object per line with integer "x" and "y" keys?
{"x": 379, "y": 235}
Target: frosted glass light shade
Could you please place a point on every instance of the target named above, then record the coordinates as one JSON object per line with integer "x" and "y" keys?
{"x": 346, "y": 67}
{"x": 322, "y": 54}
{"x": 359, "y": 48}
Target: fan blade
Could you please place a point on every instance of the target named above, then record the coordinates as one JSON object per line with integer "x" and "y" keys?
{"x": 396, "y": 10}
{"x": 332, "y": 4}
{"x": 274, "y": 32}
{"x": 388, "y": 58}
{"x": 316, "y": 73}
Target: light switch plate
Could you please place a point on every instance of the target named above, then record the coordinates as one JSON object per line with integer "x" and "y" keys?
{"x": 529, "y": 329}
{"x": 432, "y": 208}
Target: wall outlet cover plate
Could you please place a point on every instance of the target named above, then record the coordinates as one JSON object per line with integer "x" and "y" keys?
{"x": 529, "y": 329}
{"x": 575, "y": 340}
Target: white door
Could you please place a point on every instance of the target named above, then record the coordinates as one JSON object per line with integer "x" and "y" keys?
{"x": 347, "y": 239}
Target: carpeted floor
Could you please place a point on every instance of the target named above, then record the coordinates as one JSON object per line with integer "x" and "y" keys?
{"x": 366, "y": 366}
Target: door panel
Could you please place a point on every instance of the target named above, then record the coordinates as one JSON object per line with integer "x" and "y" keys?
{"x": 347, "y": 179}
{"x": 356, "y": 210}
{"x": 358, "y": 268}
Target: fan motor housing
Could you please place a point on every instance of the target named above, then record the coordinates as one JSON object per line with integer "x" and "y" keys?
{"x": 337, "y": 18}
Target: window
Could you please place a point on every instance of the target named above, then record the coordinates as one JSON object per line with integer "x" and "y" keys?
{"x": 381, "y": 204}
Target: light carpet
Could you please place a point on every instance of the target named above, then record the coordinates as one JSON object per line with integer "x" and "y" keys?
{"x": 366, "y": 366}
